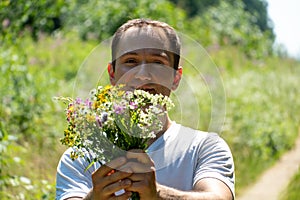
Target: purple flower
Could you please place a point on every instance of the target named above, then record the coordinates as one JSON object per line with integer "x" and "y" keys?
{"x": 104, "y": 117}
{"x": 119, "y": 109}
{"x": 98, "y": 120}
{"x": 133, "y": 105}
{"x": 78, "y": 100}
{"x": 88, "y": 103}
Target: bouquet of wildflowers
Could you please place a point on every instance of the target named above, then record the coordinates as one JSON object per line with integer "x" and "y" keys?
{"x": 112, "y": 121}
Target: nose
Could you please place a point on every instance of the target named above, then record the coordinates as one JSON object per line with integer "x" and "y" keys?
{"x": 142, "y": 72}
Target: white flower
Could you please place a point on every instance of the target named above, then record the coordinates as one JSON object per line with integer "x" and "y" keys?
{"x": 99, "y": 88}
{"x": 93, "y": 92}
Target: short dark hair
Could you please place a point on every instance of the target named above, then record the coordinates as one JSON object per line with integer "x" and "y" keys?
{"x": 171, "y": 34}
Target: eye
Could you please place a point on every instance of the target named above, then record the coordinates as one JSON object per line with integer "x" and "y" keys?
{"x": 158, "y": 62}
{"x": 130, "y": 61}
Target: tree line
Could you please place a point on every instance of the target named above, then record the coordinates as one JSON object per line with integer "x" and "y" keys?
{"x": 243, "y": 23}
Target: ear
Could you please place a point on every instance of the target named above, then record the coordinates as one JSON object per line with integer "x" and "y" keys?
{"x": 177, "y": 78}
{"x": 111, "y": 73}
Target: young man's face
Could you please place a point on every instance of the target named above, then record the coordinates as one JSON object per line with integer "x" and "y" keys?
{"x": 143, "y": 61}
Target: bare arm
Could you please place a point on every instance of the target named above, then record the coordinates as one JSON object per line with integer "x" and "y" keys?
{"x": 205, "y": 189}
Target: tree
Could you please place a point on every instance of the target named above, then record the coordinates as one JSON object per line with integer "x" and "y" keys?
{"x": 229, "y": 24}
{"x": 195, "y": 7}
{"x": 256, "y": 8}
{"x": 100, "y": 19}
{"x": 36, "y": 16}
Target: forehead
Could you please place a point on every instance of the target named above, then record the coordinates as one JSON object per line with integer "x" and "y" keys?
{"x": 135, "y": 39}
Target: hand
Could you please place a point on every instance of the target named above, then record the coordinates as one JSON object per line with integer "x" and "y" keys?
{"x": 143, "y": 174}
{"x": 106, "y": 181}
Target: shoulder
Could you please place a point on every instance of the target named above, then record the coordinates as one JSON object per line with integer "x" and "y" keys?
{"x": 205, "y": 143}
{"x": 182, "y": 131}
{"x": 79, "y": 164}
{"x": 214, "y": 159}
{"x": 72, "y": 178}
{"x": 205, "y": 138}
{"x": 215, "y": 140}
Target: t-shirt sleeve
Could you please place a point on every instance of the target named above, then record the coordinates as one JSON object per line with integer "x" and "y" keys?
{"x": 71, "y": 179}
{"x": 215, "y": 161}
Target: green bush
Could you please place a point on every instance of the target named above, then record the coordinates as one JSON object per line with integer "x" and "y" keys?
{"x": 36, "y": 16}
{"x": 229, "y": 24}
{"x": 21, "y": 109}
{"x": 19, "y": 104}
{"x": 32, "y": 73}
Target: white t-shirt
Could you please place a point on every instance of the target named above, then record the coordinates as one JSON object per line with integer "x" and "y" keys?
{"x": 182, "y": 156}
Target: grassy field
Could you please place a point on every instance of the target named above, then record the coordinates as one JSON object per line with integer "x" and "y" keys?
{"x": 292, "y": 191}
{"x": 261, "y": 115}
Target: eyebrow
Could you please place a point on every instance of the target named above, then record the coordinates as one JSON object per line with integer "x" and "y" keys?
{"x": 129, "y": 54}
{"x": 160, "y": 54}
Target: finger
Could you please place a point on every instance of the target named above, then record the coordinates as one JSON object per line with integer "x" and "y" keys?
{"x": 108, "y": 167}
{"x": 136, "y": 187}
{"x": 115, "y": 177}
{"x": 136, "y": 167}
{"x": 108, "y": 185}
{"x": 117, "y": 186}
{"x": 143, "y": 188}
{"x": 110, "y": 179}
{"x": 142, "y": 176}
{"x": 139, "y": 155}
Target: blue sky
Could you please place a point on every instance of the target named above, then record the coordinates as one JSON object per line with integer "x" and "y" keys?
{"x": 285, "y": 15}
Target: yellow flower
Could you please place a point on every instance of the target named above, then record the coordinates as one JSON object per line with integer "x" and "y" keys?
{"x": 96, "y": 105}
{"x": 71, "y": 108}
{"x": 107, "y": 87}
{"x": 90, "y": 118}
{"x": 74, "y": 155}
{"x": 102, "y": 97}
{"x": 120, "y": 93}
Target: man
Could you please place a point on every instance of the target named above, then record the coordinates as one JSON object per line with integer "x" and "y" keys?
{"x": 181, "y": 163}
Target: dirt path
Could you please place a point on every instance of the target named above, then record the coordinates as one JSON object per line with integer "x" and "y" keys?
{"x": 274, "y": 180}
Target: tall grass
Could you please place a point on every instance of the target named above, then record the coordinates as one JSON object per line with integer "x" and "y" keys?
{"x": 262, "y": 106}
{"x": 292, "y": 191}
